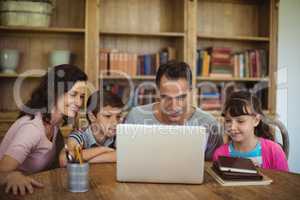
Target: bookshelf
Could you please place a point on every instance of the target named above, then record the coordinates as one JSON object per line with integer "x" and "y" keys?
{"x": 241, "y": 25}
{"x": 237, "y": 79}
{"x": 144, "y": 27}
{"x": 42, "y": 29}
{"x": 67, "y": 31}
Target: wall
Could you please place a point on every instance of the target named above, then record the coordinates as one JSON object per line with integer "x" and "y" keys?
{"x": 288, "y": 89}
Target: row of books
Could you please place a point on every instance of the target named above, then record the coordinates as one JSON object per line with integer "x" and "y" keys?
{"x": 114, "y": 62}
{"x": 222, "y": 62}
{"x": 251, "y": 63}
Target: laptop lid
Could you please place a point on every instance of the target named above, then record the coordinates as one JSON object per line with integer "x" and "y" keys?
{"x": 160, "y": 153}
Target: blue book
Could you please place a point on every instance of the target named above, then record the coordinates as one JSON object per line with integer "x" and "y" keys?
{"x": 163, "y": 57}
{"x": 147, "y": 64}
{"x": 199, "y": 62}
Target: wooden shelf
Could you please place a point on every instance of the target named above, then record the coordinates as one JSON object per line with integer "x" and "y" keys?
{"x": 233, "y": 38}
{"x": 41, "y": 29}
{"x": 132, "y": 78}
{"x": 2, "y": 75}
{"x": 218, "y": 112}
{"x": 156, "y": 34}
{"x": 232, "y": 79}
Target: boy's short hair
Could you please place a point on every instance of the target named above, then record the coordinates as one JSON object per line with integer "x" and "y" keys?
{"x": 98, "y": 100}
{"x": 174, "y": 70}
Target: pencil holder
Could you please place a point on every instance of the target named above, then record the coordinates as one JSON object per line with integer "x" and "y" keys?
{"x": 78, "y": 177}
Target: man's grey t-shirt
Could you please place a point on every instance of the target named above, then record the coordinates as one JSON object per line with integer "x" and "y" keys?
{"x": 145, "y": 115}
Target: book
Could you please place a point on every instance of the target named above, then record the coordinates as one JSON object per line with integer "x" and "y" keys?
{"x": 242, "y": 165}
{"x": 206, "y": 64}
{"x": 163, "y": 57}
{"x": 220, "y": 75}
{"x": 147, "y": 64}
{"x": 199, "y": 62}
{"x": 229, "y": 175}
{"x": 265, "y": 179}
{"x": 250, "y": 63}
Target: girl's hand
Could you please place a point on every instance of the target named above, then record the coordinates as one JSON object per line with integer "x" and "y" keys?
{"x": 17, "y": 183}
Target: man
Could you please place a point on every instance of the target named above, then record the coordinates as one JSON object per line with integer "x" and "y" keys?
{"x": 174, "y": 82}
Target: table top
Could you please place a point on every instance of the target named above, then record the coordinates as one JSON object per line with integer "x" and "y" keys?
{"x": 103, "y": 185}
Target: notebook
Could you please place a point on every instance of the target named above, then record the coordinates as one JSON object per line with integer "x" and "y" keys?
{"x": 230, "y": 164}
{"x": 235, "y": 176}
{"x": 265, "y": 180}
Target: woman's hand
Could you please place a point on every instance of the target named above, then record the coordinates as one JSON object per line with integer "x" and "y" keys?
{"x": 17, "y": 183}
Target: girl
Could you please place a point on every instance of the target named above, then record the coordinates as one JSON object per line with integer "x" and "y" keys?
{"x": 33, "y": 142}
{"x": 250, "y": 136}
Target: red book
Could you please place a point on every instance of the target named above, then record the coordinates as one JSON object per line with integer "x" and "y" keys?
{"x": 258, "y": 63}
{"x": 221, "y": 61}
{"x": 221, "y": 50}
{"x": 220, "y": 55}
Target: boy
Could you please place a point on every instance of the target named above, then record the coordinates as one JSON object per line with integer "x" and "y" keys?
{"x": 104, "y": 112}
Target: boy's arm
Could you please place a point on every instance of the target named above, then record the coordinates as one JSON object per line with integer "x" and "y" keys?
{"x": 105, "y": 158}
{"x": 87, "y": 154}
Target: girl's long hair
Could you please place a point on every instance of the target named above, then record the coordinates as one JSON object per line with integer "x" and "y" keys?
{"x": 244, "y": 103}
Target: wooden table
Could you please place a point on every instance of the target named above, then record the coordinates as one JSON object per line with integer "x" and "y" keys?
{"x": 103, "y": 185}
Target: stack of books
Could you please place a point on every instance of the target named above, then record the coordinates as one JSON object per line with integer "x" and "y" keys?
{"x": 220, "y": 64}
{"x": 230, "y": 171}
{"x": 210, "y": 101}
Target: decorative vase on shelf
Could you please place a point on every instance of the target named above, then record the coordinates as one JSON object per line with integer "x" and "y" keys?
{"x": 58, "y": 57}
{"x": 9, "y": 60}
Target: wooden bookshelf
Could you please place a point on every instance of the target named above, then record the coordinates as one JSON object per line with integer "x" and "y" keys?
{"x": 233, "y": 38}
{"x": 41, "y": 30}
{"x": 143, "y": 27}
{"x": 66, "y": 32}
{"x": 218, "y": 113}
{"x": 141, "y": 78}
{"x": 2, "y": 75}
{"x": 238, "y": 79}
{"x": 240, "y": 25}
{"x": 140, "y": 34}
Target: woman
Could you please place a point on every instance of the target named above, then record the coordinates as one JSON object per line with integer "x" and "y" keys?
{"x": 33, "y": 142}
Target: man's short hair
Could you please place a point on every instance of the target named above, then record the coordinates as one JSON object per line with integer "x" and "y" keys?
{"x": 174, "y": 70}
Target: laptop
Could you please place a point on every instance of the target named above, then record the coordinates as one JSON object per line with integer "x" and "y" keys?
{"x": 160, "y": 153}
